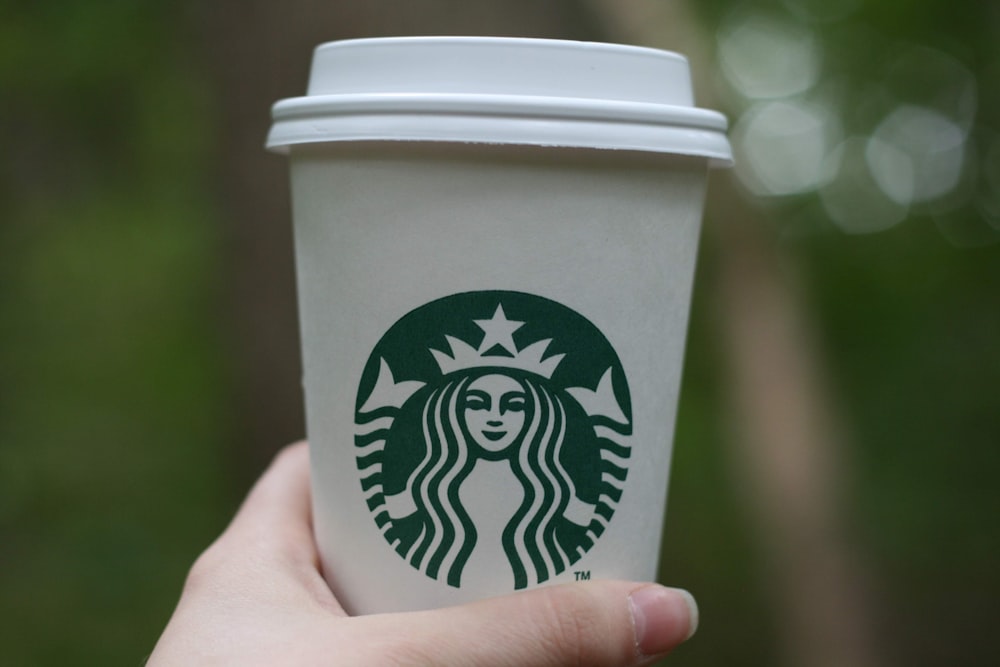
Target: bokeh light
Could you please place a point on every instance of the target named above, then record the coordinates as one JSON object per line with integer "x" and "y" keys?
{"x": 911, "y": 116}
{"x": 767, "y": 56}
{"x": 852, "y": 198}
{"x": 916, "y": 155}
{"x": 781, "y": 146}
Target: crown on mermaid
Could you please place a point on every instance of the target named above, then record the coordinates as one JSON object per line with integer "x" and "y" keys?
{"x": 498, "y": 331}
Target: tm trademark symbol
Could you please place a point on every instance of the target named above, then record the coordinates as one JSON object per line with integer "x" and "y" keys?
{"x": 582, "y": 575}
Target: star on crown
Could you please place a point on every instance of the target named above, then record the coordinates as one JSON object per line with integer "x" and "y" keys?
{"x": 498, "y": 332}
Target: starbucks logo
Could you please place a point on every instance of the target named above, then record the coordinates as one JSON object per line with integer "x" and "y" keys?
{"x": 493, "y": 431}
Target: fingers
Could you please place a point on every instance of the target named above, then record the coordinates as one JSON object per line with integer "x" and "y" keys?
{"x": 605, "y": 623}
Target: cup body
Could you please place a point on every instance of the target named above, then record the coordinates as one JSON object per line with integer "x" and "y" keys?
{"x": 404, "y": 253}
{"x": 495, "y": 243}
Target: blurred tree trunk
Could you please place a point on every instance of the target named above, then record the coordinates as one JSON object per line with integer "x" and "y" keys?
{"x": 787, "y": 445}
{"x": 786, "y": 440}
{"x": 259, "y": 52}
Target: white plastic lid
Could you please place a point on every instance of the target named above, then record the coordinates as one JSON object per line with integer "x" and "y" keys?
{"x": 500, "y": 90}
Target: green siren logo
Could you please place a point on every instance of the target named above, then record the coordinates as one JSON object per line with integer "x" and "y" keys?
{"x": 492, "y": 430}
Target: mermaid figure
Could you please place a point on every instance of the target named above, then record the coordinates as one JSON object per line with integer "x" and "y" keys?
{"x": 490, "y": 436}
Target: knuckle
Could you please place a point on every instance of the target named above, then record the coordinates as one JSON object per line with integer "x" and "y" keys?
{"x": 211, "y": 567}
{"x": 291, "y": 451}
{"x": 200, "y": 572}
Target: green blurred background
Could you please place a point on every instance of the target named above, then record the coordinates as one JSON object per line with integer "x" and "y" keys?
{"x": 834, "y": 497}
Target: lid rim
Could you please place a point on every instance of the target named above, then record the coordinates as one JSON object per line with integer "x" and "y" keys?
{"x": 501, "y": 106}
{"x": 707, "y": 143}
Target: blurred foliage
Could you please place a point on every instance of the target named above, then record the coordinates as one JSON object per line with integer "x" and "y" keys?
{"x": 115, "y": 412}
{"x": 111, "y": 385}
{"x": 912, "y": 326}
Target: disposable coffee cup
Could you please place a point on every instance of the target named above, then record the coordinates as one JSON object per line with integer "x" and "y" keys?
{"x": 495, "y": 242}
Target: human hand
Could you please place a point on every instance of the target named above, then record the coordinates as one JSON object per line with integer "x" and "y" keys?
{"x": 256, "y": 597}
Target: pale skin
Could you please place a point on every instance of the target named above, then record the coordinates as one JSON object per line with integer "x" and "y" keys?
{"x": 256, "y": 597}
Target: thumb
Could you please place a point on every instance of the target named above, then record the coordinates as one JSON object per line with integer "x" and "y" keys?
{"x": 608, "y": 623}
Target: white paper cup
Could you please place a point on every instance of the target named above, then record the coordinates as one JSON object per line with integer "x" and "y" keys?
{"x": 495, "y": 247}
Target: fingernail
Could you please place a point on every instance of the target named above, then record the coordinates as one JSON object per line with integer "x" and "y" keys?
{"x": 662, "y": 618}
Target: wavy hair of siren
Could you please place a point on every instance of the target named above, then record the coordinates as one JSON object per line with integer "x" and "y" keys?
{"x": 529, "y": 541}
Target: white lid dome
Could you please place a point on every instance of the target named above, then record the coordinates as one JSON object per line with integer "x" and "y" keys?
{"x": 501, "y": 90}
